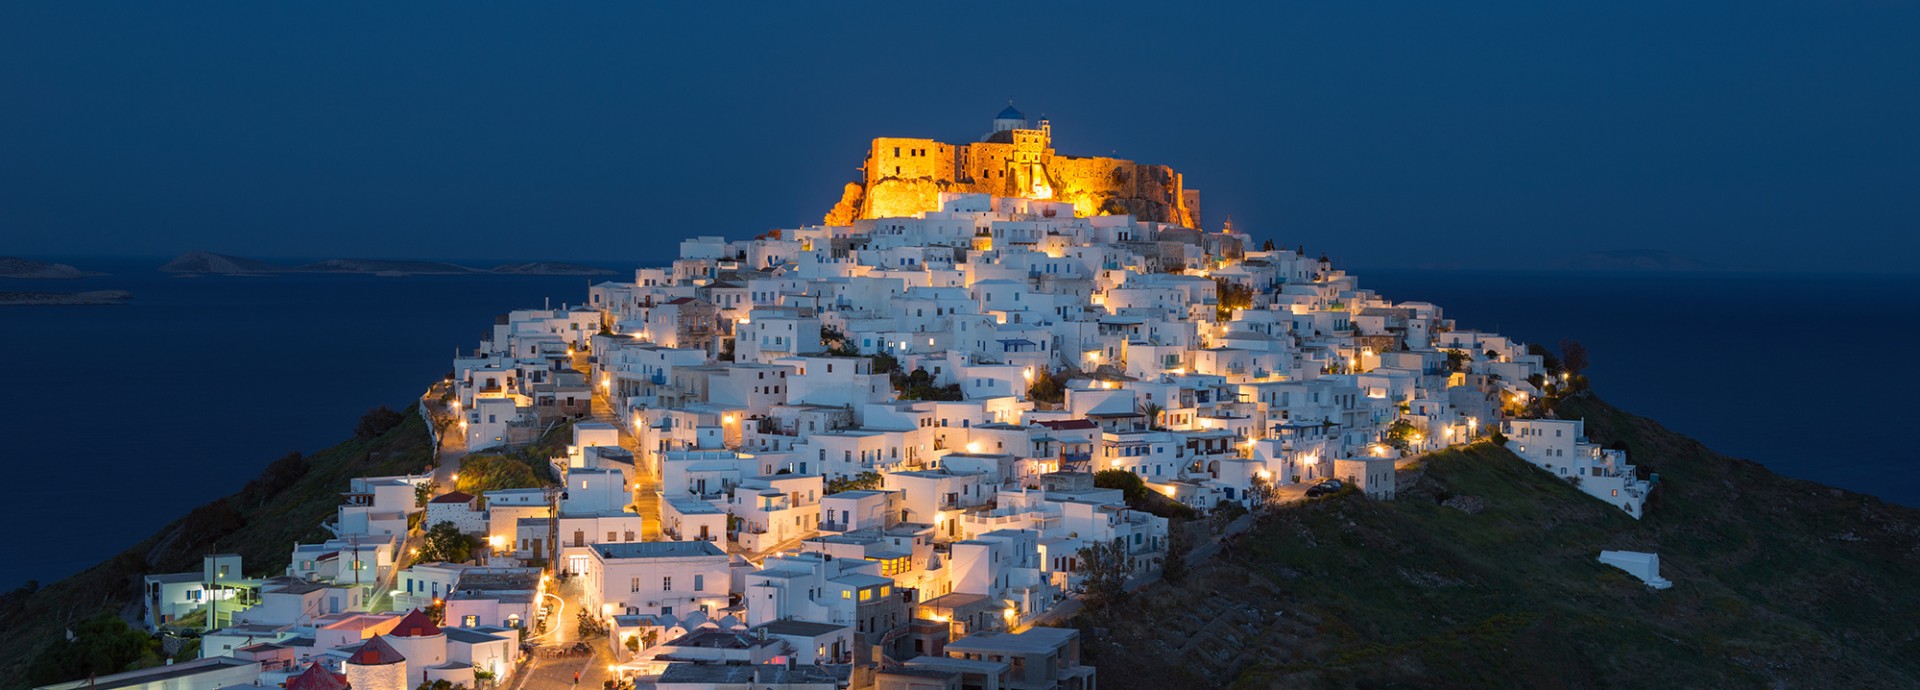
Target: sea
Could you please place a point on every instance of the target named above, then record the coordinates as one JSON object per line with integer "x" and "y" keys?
{"x": 122, "y": 418}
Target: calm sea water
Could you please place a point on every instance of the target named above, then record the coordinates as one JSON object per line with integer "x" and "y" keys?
{"x": 123, "y": 418}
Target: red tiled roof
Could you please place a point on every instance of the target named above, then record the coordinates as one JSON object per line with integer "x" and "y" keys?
{"x": 415, "y": 624}
{"x": 376, "y": 652}
{"x": 680, "y": 300}
{"x": 1070, "y": 424}
{"x": 453, "y": 497}
{"x": 317, "y": 678}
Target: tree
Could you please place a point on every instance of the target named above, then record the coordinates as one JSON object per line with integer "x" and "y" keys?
{"x": 1105, "y": 567}
{"x": 918, "y": 385}
{"x": 101, "y": 645}
{"x": 1457, "y": 360}
{"x": 1400, "y": 434}
{"x": 1573, "y": 356}
{"x": 1174, "y": 568}
{"x": 1261, "y": 493}
{"x": 1152, "y": 412}
{"x": 423, "y": 492}
{"x": 444, "y": 542}
{"x": 1129, "y": 484}
{"x": 1230, "y": 295}
{"x": 1048, "y": 387}
{"x": 836, "y": 342}
{"x": 1547, "y": 359}
{"x": 884, "y": 363}
{"x": 377, "y": 421}
{"x": 865, "y": 481}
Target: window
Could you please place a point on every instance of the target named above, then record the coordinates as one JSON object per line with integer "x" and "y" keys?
{"x": 635, "y": 585}
{"x": 699, "y": 582}
{"x": 846, "y": 594}
{"x": 666, "y": 584}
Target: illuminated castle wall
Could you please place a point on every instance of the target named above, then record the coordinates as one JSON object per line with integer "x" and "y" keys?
{"x": 905, "y": 176}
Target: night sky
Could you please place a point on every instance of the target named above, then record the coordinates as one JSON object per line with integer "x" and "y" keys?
{"x": 1761, "y": 135}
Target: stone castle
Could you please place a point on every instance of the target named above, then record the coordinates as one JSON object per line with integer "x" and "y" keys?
{"x": 905, "y": 176}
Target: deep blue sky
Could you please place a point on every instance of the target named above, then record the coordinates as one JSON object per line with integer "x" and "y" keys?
{"x": 1763, "y": 135}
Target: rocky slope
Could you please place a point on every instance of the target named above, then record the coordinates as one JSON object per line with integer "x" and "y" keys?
{"x": 1482, "y": 574}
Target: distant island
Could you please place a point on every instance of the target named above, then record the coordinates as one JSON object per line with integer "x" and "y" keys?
{"x": 16, "y": 267}
{"x": 209, "y": 262}
{"x": 1636, "y": 260}
{"x": 201, "y": 263}
{"x": 550, "y": 268}
{"x": 64, "y": 299}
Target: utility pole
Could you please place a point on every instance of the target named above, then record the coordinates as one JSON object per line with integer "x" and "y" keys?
{"x": 213, "y": 602}
{"x": 553, "y": 495}
{"x": 354, "y": 541}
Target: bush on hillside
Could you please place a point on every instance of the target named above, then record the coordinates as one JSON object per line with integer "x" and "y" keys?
{"x": 376, "y": 422}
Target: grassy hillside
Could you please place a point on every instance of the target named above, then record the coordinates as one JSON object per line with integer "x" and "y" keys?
{"x": 261, "y": 522}
{"x": 1778, "y": 582}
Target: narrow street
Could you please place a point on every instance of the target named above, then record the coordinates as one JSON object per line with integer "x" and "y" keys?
{"x": 453, "y": 441}
{"x": 554, "y": 662}
{"x": 646, "y": 478}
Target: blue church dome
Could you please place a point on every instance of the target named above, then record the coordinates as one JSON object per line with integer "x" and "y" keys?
{"x": 1010, "y": 114}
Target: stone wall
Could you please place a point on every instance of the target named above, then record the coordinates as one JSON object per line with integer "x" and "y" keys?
{"x": 905, "y": 176}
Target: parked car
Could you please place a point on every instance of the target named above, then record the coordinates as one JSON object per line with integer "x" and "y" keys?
{"x": 1325, "y": 488}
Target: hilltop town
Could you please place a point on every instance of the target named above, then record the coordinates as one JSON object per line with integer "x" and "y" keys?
{"x": 900, "y": 450}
